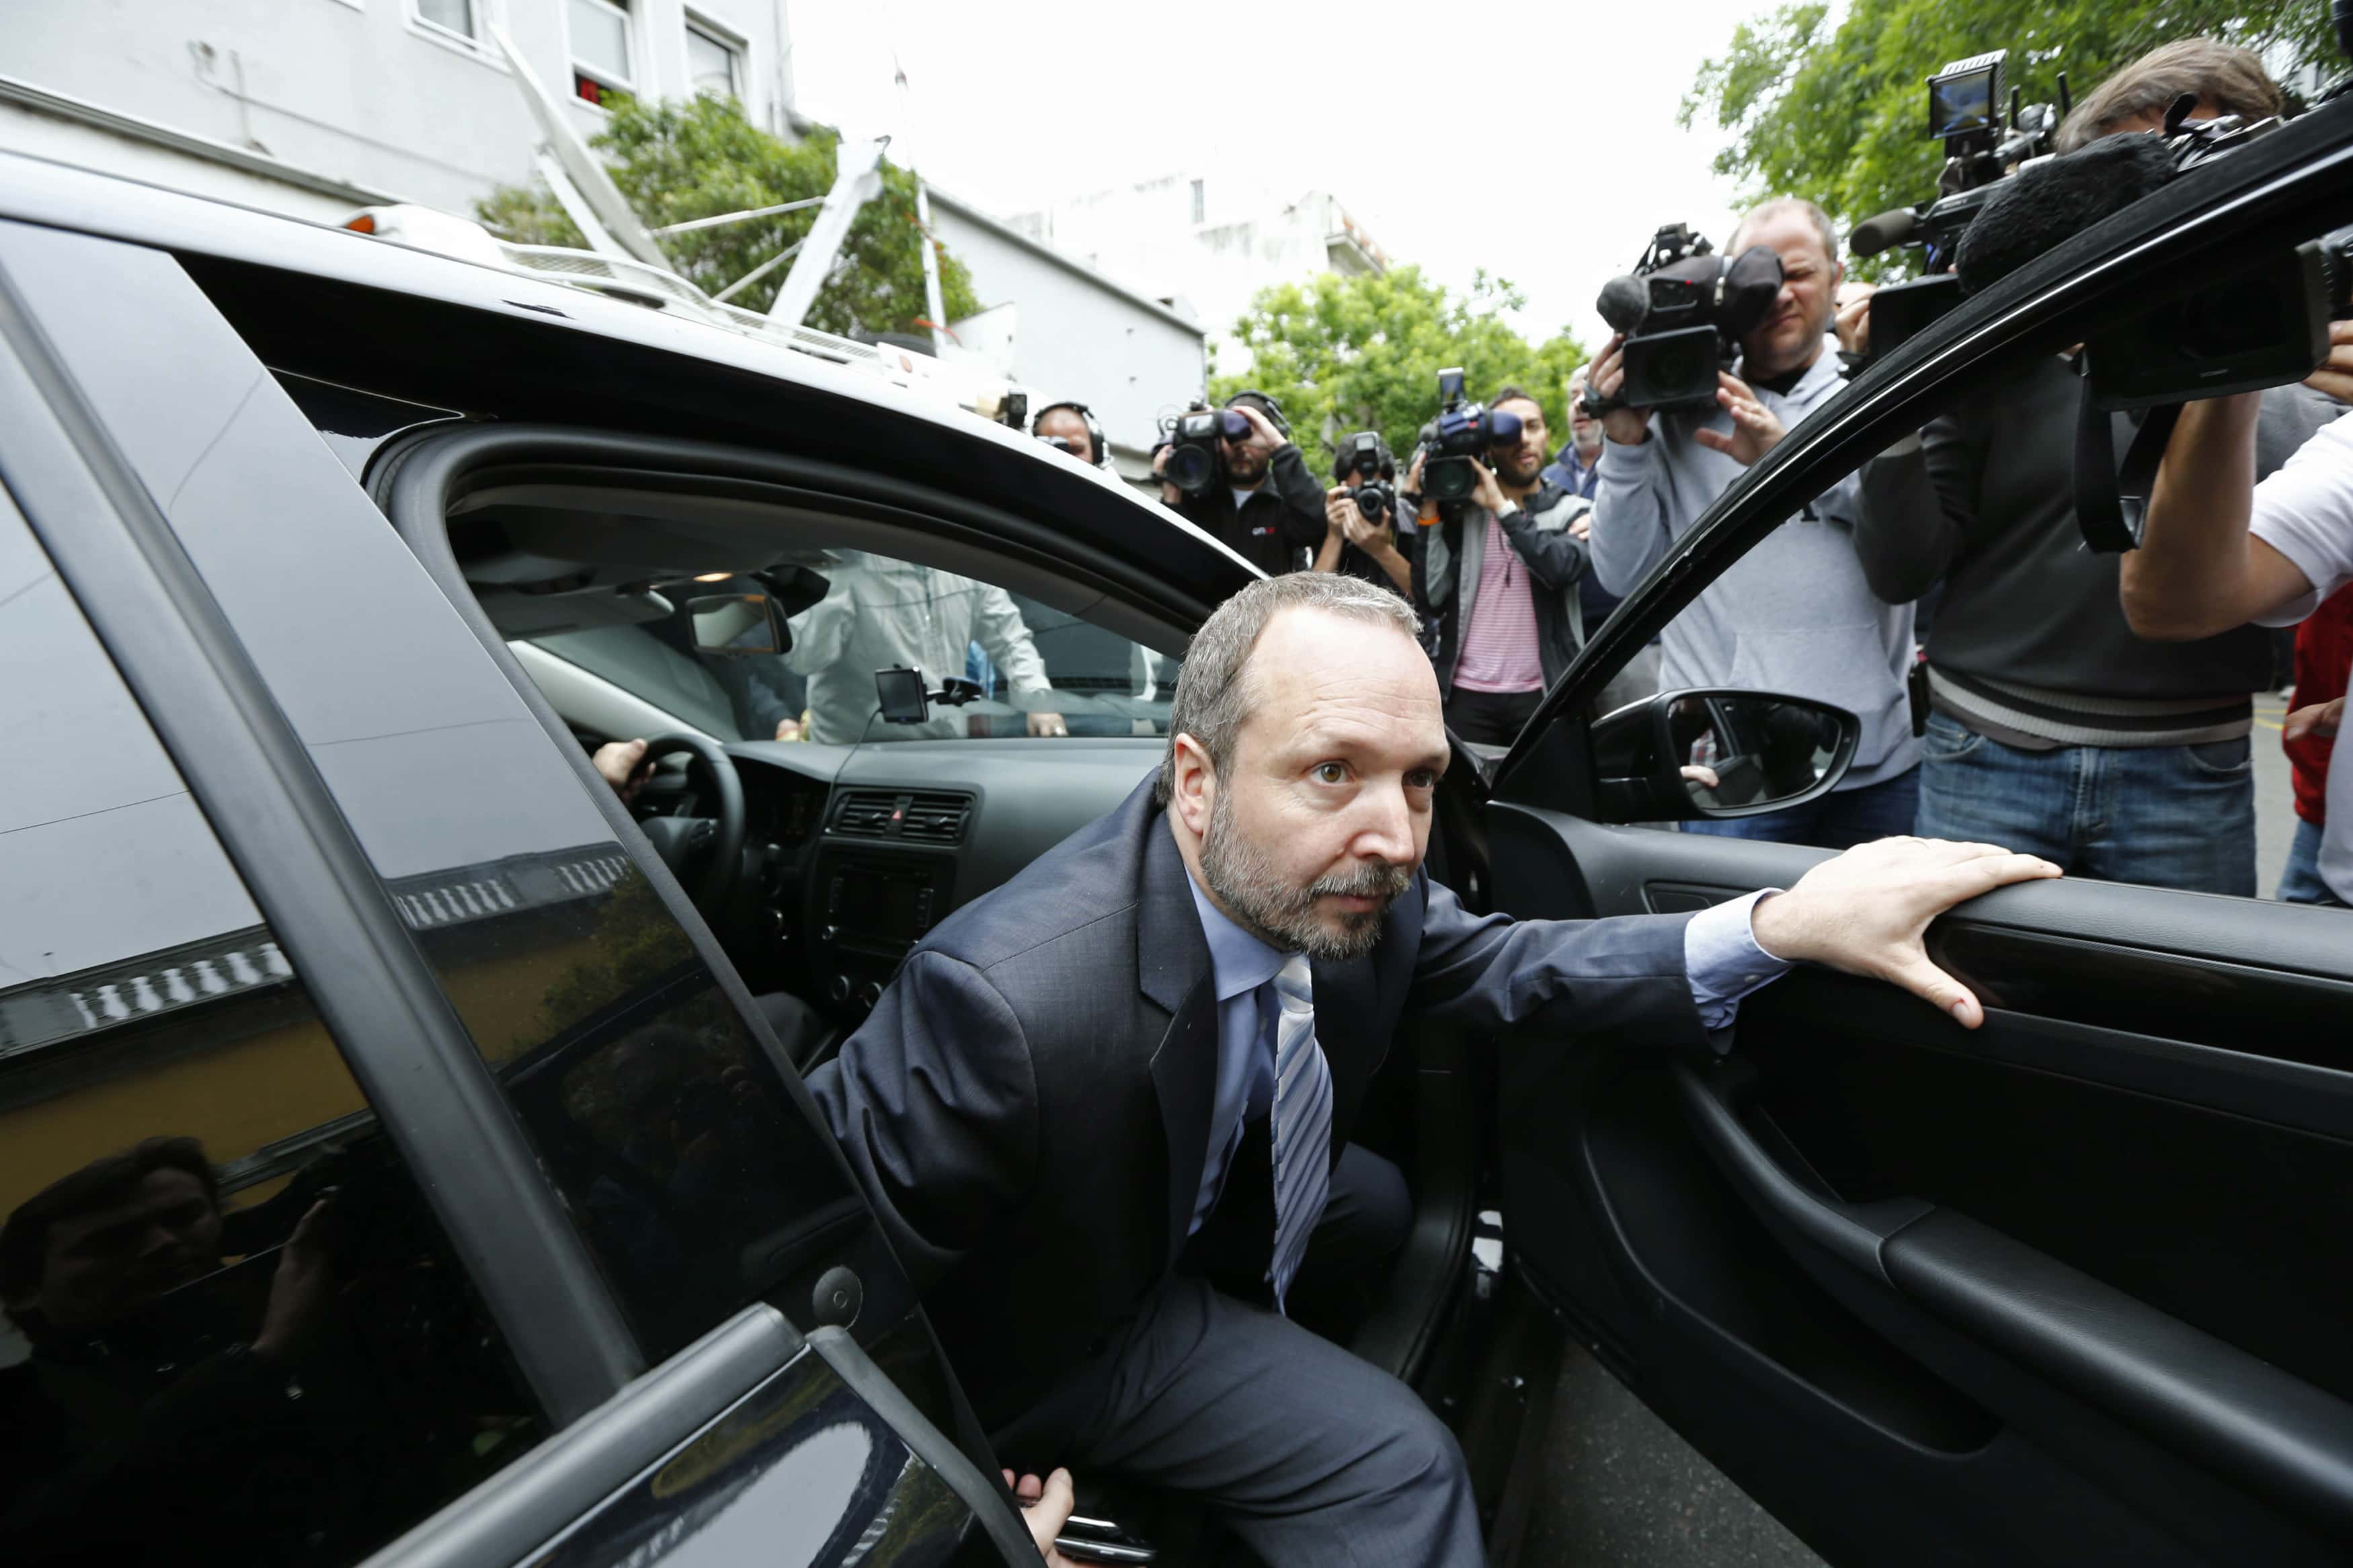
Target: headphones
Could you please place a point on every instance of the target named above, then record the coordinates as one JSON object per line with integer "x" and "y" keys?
{"x": 1268, "y": 406}
{"x": 1096, "y": 436}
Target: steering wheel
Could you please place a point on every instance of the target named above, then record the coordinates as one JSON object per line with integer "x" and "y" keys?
{"x": 678, "y": 839}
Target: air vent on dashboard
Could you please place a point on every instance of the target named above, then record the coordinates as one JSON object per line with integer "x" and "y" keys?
{"x": 921, "y": 816}
{"x": 935, "y": 818}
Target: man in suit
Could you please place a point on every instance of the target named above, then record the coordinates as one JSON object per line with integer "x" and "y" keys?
{"x": 1104, "y": 1111}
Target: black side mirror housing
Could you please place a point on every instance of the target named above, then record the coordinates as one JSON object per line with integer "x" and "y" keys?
{"x": 1715, "y": 753}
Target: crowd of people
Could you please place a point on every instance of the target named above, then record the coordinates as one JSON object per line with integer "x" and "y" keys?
{"x": 1941, "y": 593}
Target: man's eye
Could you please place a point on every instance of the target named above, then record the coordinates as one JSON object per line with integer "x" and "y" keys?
{"x": 1331, "y": 773}
{"x": 1422, "y": 778}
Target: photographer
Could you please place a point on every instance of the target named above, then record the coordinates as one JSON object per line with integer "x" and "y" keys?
{"x": 1357, "y": 546}
{"x": 1265, "y": 505}
{"x": 1795, "y": 616}
{"x": 2218, "y": 550}
{"x": 2054, "y": 730}
{"x": 1501, "y": 577}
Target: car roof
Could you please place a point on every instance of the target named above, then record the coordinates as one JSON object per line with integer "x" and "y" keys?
{"x": 358, "y": 309}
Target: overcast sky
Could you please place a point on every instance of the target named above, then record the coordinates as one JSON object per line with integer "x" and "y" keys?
{"x": 1539, "y": 143}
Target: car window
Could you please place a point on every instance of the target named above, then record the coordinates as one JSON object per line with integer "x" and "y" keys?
{"x": 1942, "y": 593}
{"x": 692, "y": 1176}
{"x": 1032, "y": 668}
{"x": 234, "y": 1329}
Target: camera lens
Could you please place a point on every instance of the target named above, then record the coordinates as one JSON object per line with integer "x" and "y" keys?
{"x": 1190, "y": 468}
{"x": 1448, "y": 479}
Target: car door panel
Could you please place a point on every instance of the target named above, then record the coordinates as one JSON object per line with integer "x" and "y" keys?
{"x": 566, "y": 950}
{"x": 2069, "y": 1283}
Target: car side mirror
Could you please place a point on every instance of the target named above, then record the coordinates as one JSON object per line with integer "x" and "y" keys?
{"x": 738, "y": 626}
{"x": 1716, "y": 753}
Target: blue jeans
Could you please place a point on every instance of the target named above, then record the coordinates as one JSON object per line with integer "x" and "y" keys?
{"x": 2300, "y": 883}
{"x": 1838, "y": 820}
{"x": 2166, "y": 816}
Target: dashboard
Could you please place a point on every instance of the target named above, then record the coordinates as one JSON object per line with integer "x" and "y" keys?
{"x": 853, "y": 854}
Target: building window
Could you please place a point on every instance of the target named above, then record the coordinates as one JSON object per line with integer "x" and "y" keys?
{"x": 1200, "y": 204}
{"x": 714, "y": 61}
{"x": 600, "y": 50}
{"x": 453, "y": 17}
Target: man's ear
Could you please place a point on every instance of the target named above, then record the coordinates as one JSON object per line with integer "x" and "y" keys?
{"x": 1195, "y": 789}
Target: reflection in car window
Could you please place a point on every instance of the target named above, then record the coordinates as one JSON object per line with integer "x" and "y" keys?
{"x": 1036, "y": 669}
{"x": 234, "y": 1330}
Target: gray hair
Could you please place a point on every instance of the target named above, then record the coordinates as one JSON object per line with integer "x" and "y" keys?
{"x": 2230, "y": 78}
{"x": 1774, "y": 207}
{"x": 1213, "y": 689}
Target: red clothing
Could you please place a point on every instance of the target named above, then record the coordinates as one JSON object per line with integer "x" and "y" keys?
{"x": 2324, "y": 653}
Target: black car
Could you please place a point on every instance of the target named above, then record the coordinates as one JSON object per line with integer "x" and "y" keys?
{"x": 402, "y": 1128}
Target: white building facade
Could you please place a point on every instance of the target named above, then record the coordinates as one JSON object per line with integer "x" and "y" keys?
{"x": 1210, "y": 242}
{"x": 314, "y": 108}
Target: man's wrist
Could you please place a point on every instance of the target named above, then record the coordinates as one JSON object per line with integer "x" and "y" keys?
{"x": 1772, "y": 925}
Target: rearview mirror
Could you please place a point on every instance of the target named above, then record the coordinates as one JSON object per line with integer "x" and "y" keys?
{"x": 737, "y": 625}
{"x": 1714, "y": 753}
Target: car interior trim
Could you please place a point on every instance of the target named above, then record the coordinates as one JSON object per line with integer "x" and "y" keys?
{"x": 281, "y": 827}
{"x": 546, "y": 1491}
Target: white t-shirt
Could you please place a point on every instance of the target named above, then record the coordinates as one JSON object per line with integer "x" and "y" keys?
{"x": 2306, "y": 512}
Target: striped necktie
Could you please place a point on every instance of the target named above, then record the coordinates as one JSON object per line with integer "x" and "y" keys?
{"x": 1302, "y": 1123}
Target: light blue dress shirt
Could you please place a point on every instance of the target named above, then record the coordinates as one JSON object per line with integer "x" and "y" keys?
{"x": 1720, "y": 956}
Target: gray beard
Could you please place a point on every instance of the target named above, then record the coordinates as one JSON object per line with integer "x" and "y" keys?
{"x": 1282, "y": 915}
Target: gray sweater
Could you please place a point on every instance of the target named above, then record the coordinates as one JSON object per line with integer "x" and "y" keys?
{"x": 1794, "y": 616}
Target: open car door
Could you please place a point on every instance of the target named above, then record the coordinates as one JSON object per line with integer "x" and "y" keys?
{"x": 2069, "y": 1288}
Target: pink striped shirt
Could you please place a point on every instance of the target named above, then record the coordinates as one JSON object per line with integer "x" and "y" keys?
{"x": 1499, "y": 645}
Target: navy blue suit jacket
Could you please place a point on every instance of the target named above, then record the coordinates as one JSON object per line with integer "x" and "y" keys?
{"x": 1028, "y": 1107}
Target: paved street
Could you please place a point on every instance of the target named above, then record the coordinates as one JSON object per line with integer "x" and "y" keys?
{"x": 2274, "y": 800}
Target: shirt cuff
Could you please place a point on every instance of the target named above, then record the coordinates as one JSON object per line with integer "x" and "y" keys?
{"x": 1725, "y": 963}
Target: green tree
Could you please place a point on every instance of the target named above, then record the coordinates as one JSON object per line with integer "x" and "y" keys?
{"x": 674, "y": 162}
{"x": 1838, "y": 113}
{"x": 1343, "y": 354}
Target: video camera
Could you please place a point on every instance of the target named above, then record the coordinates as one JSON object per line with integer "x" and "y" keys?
{"x": 1965, "y": 113}
{"x": 1194, "y": 461}
{"x": 1464, "y": 434}
{"x": 1368, "y": 470}
{"x": 1683, "y": 310}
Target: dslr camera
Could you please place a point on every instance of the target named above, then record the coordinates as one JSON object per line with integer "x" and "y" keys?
{"x": 1194, "y": 460}
{"x": 1368, "y": 470}
{"x": 1683, "y": 310}
{"x": 1462, "y": 434}
{"x": 1966, "y": 113}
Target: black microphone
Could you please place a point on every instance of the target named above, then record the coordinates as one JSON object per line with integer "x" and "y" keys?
{"x": 1890, "y": 229}
{"x": 1625, "y": 301}
{"x": 2054, "y": 200}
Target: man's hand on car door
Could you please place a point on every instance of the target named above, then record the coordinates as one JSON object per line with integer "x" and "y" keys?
{"x": 1867, "y": 911}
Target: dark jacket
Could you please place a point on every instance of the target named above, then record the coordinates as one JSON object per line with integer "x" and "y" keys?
{"x": 1277, "y": 527}
{"x": 1450, "y": 554}
{"x": 1985, "y": 502}
{"x": 1027, "y": 1108}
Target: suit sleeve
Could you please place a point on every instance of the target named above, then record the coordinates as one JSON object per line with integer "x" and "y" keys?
{"x": 1304, "y": 524}
{"x": 1625, "y": 975}
{"x": 935, "y": 1102}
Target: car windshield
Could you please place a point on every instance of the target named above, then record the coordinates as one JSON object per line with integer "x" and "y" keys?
{"x": 994, "y": 664}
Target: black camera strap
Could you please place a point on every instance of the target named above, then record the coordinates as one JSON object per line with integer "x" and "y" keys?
{"x": 2112, "y": 502}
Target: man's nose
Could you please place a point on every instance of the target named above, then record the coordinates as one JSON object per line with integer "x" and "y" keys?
{"x": 1386, "y": 828}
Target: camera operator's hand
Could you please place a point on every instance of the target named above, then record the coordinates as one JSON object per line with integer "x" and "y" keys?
{"x": 1756, "y": 430}
{"x": 1263, "y": 436}
{"x": 1372, "y": 538}
{"x": 1627, "y": 426}
{"x": 2334, "y": 375}
{"x": 1489, "y": 493}
{"x": 1854, "y": 317}
{"x": 1339, "y": 508}
{"x": 300, "y": 1288}
{"x": 1169, "y": 494}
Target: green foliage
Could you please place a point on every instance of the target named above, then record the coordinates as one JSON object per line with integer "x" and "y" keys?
{"x": 1343, "y": 354}
{"x": 1837, "y": 114}
{"x": 674, "y": 162}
